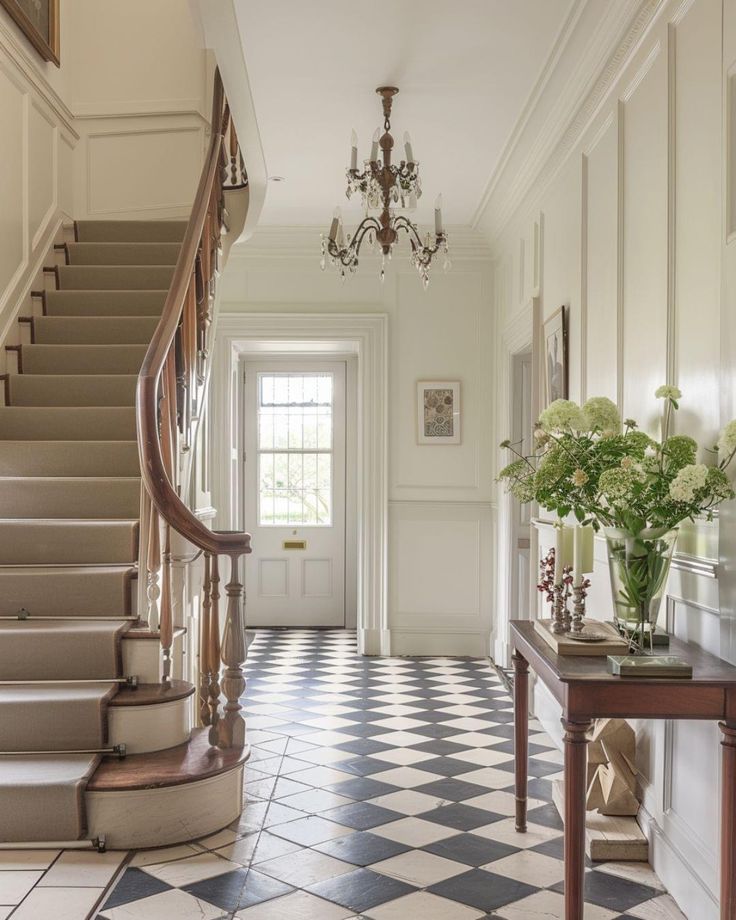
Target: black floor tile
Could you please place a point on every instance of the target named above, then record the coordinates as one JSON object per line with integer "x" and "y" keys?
{"x": 361, "y": 890}
{"x": 482, "y": 890}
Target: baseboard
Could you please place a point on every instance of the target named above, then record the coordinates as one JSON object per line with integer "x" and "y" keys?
{"x": 427, "y": 642}
{"x": 674, "y": 871}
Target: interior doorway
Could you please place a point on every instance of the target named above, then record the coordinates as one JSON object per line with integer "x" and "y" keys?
{"x": 299, "y": 491}
{"x": 521, "y": 434}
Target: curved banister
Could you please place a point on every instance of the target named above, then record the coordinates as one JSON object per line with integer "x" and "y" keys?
{"x": 158, "y": 484}
{"x": 171, "y": 388}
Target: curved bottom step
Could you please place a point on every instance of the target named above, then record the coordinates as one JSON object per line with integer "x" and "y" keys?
{"x": 167, "y": 797}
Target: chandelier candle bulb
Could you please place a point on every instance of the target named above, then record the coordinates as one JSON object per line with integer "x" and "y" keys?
{"x": 353, "y": 153}
{"x": 407, "y": 147}
{"x": 334, "y": 226}
{"x": 582, "y": 553}
{"x": 374, "y": 145}
{"x": 438, "y": 216}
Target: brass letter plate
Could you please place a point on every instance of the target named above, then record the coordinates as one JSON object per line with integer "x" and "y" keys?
{"x": 294, "y": 544}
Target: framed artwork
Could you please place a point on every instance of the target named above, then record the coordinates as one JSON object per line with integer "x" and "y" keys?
{"x": 39, "y": 20}
{"x": 555, "y": 356}
{"x": 438, "y": 412}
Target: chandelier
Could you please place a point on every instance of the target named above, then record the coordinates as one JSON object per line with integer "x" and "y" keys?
{"x": 383, "y": 185}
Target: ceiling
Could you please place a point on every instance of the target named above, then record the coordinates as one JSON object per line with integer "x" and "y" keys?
{"x": 465, "y": 70}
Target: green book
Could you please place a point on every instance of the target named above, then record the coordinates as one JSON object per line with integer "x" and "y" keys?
{"x": 649, "y": 666}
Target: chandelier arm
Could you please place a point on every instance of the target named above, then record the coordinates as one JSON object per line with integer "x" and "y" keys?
{"x": 346, "y": 254}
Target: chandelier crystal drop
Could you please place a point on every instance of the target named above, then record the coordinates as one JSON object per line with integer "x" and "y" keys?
{"x": 384, "y": 186}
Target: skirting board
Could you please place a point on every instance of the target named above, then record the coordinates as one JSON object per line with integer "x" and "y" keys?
{"x": 608, "y": 837}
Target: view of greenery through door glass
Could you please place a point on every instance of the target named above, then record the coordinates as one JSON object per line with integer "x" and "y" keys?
{"x": 295, "y": 449}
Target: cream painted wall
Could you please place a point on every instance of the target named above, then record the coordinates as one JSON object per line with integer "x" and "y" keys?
{"x": 118, "y": 131}
{"x": 625, "y": 225}
{"x": 440, "y": 509}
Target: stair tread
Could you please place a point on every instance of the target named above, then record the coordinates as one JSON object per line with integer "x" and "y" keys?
{"x": 150, "y": 694}
{"x": 185, "y": 763}
{"x": 69, "y": 390}
{"x": 116, "y": 231}
{"x": 92, "y": 302}
{"x": 122, "y": 252}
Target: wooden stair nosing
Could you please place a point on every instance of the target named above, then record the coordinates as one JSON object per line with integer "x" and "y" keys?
{"x": 150, "y": 694}
{"x": 186, "y": 763}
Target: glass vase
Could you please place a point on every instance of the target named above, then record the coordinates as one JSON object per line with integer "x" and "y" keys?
{"x": 639, "y": 565}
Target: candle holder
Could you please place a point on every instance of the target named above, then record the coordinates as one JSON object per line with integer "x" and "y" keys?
{"x": 580, "y": 592}
{"x": 558, "y": 611}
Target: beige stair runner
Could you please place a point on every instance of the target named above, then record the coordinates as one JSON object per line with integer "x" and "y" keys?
{"x": 69, "y": 504}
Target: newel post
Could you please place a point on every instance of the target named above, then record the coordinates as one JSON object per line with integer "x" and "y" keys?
{"x": 231, "y": 727}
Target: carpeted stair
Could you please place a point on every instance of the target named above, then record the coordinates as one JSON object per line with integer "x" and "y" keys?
{"x": 69, "y": 506}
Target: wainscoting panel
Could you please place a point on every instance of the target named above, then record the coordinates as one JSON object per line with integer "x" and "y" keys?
{"x": 169, "y": 158}
{"x": 645, "y": 264}
{"x": 439, "y": 577}
{"x": 600, "y": 263}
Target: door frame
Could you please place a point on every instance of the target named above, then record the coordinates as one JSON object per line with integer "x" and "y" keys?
{"x": 318, "y": 335}
{"x": 516, "y": 339}
{"x": 277, "y": 360}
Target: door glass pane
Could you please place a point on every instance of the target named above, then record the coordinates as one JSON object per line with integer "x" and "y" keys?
{"x": 295, "y": 436}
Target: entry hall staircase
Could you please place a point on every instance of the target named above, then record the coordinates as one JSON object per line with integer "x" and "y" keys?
{"x": 102, "y": 739}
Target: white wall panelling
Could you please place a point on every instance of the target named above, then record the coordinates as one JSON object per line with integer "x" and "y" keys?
{"x": 638, "y": 233}
{"x": 363, "y": 335}
{"x": 274, "y": 282}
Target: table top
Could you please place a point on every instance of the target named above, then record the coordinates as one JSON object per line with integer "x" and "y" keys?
{"x": 583, "y": 684}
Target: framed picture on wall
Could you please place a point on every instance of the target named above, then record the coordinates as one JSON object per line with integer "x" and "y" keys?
{"x": 438, "y": 412}
{"x": 555, "y": 356}
{"x": 39, "y": 20}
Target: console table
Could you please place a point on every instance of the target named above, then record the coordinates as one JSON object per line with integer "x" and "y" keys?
{"x": 586, "y": 691}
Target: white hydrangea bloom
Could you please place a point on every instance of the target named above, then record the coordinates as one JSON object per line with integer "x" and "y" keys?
{"x": 562, "y": 415}
{"x": 688, "y": 481}
{"x": 667, "y": 392}
{"x": 727, "y": 440}
{"x": 602, "y": 414}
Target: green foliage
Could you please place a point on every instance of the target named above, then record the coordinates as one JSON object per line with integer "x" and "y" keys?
{"x": 585, "y": 465}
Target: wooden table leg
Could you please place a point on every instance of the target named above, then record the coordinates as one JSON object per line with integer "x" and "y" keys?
{"x": 728, "y": 822}
{"x": 576, "y": 742}
{"x": 521, "y": 736}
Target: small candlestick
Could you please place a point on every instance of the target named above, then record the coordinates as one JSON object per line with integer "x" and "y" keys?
{"x": 438, "y": 216}
{"x": 567, "y": 586}
{"x": 558, "y": 611}
{"x": 578, "y": 608}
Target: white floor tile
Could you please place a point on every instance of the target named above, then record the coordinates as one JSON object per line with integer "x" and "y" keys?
{"x": 165, "y": 854}
{"x": 307, "y": 867}
{"x": 15, "y": 885}
{"x": 414, "y": 832}
{"x": 193, "y": 869}
{"x": 534, "y": 868}
{"x": 27, "y": 859}
{"x": 419, "y": 868}
{"x": 407, "y": 777}
{"x": 546, "y": 905}
{"x": 404, "y": 756}
{"x": 425, "y": 906}
{"x": 298, "y": 906}
{"x": 407, "y": 802}
{"x": 661, "y": 908}
{"x": 61, "y": 904}
{"x": 484, "y": 757}
{"x": 505, "y": 832}
{"x": 80, "y": 868}
{"x": 500, "y": 802}
{"x": 169, "y": 905}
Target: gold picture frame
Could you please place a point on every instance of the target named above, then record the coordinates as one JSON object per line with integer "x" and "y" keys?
{"x": 39, "y": 23}
{"x": 555, "y": 356}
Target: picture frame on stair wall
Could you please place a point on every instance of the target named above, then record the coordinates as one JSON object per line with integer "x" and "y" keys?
{"x": 39, "y": 22}
{"x": 555, "y": 356}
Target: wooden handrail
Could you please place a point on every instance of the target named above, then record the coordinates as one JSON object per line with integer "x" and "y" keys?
{"x": 172, "y": 385}
{"x": 164, "y": 495}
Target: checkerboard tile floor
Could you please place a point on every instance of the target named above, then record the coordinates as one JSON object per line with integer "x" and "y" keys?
{"x": 379, "y": 788}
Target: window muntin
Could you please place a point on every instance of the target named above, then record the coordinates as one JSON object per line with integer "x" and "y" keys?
{"x": 295, "y": 449}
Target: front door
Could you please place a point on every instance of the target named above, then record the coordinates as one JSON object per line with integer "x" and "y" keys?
{"x": 295, "y": 492}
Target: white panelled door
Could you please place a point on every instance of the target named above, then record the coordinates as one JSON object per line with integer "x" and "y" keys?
{"x": 294, "y": 481}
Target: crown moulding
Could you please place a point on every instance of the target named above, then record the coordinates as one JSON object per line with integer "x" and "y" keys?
{"x": 528, "y": 166}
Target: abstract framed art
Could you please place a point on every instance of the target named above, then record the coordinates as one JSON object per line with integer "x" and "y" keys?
{"x": 39, "y": 21}
{"x": 555, "y": 356}
{"x": 438, "y": 412}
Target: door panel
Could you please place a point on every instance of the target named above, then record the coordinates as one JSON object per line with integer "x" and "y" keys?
{"x": 294, "y": 456}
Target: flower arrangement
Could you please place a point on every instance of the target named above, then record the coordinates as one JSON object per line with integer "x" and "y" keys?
{"x": 610, "y": 474}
